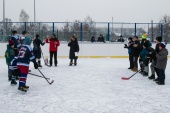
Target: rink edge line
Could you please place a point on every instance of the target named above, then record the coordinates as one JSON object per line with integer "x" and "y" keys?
{"x": 91, "y": 56}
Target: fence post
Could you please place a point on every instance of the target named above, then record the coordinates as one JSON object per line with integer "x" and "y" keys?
{"x": 25, "y": 26}
{"x": 81, "y": 32}
{"x": 135, "y": 30}
{"x": 108, "y": 32}
{"x": 53, "y": 28}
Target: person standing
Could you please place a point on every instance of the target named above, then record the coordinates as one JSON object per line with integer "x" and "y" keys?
{"x": 154, "y": 59}
{"x": 129, "y": 47}
{"x": 53, "y": 48}
{"x": 74, "y": 49}
{"x": 16, "y": 40}
{"x": 37, "y": 49}
{"x": 24, "y": 57}
{"x": 22, "y": 39}
{"x": 135, "y": 53}
{"x": 9, "y": 55}
{"x": 161, "y": 63}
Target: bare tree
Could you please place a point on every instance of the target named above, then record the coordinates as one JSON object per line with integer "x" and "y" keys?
{"x": 24, "y": 17}
{"x": 166, "y": 28}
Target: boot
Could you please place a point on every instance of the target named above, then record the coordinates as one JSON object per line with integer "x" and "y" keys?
{"x": 13, "y": 82}
{"x": 75, "y": 62}
{"x": 70, "y": 64}
{"x": 25, "y": 86}
{"x": 39, "y": 64}
{"x": 145, "y": 73}
{"x": 152, "y": 77}
{"x": 22, "y": 89}
{"x": 135, "y": 69}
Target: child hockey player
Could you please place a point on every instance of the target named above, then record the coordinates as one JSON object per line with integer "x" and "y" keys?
{"x": 54, "y": 43}
{"x": 161, "y": 63}
{"x": 145, "y": 56}
{"x": 9, "y": 55}
{"x": 74, "y": 48}
{"x": 37, "y": 49}
{"x": 154, "y": 59}
{"x": 24, "y": 57}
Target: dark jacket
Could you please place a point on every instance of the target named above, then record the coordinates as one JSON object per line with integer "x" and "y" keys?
{"x": 36, "y": 43}
{"x": 136, "y": 50}
{"x": 74, "y": 47}
{"x": 9, "y": 54}
{"x": 162, "y": 59}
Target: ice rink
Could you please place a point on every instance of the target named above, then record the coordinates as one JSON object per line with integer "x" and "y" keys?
{"x": 93, "y": 86}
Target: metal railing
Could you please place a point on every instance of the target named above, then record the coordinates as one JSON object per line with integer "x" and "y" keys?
{"x": 83, "y": 30}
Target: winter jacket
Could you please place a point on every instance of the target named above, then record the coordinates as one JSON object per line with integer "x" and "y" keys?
{"x": 25, "y": 56}
{"x": 136, "y": 50}
{"x": 54, "y": 43}
{"x": 162, "y": 59}
{"x": 37, "y": 42}
{"x": 146, "y": 53}
{"x": 74, "y": 47}
{"x": 9, "y": 54}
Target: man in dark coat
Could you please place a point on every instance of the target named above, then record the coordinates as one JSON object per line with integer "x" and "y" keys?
{"x": 74, "y": 49}
{"x": 37, "y": 49}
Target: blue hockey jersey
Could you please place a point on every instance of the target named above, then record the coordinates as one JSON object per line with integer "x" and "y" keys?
{"x": 25, "y": 55}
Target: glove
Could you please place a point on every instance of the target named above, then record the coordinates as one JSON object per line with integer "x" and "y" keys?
{"x": 35, "y": 65}
{"x": 43, "y": 43}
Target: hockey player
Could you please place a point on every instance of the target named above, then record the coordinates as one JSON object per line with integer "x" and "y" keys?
{"x": 9, "y": 55}
{"x": 24, "y": 57}
{"x": 22, "y": 39}
{"x": 145, "y": 56}
{"x": 37, "y": 49}
{"x": 54, "y": 43}
{"x": 15, "y": 38}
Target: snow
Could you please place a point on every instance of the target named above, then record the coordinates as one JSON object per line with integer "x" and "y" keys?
{"x": 93, "y": 86}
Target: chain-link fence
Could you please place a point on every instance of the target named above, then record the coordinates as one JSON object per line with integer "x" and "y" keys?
{"x": 82, "y": 30}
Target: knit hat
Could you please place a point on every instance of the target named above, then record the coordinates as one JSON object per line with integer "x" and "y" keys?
{"x": 24, "y": 32}
{"x": 37, "y": 35}
{"x": 11, "y": 43}
{"x": 53, "y": 35}
{"x": 130, "y": 38}
{"x": 144, "y": 36}
{"x": 159, "y": 39}
{"x": 162, "y": 44}
{"x": 145, "y": 44}
{"x": 27, "y": 41}
{"x": 14, "y": 32}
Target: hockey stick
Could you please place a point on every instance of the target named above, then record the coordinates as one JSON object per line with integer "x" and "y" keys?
{"x": 38, "y": 76}
{"x": 44, "y": 59}
{"x": 46, "y": 78}
{"x": 127, "y": 78}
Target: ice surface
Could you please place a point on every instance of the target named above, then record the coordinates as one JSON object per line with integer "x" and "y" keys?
{"x": 93, "y": 86}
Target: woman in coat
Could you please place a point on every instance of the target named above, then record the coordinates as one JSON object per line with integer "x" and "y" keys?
{"x": 74, "y": 49}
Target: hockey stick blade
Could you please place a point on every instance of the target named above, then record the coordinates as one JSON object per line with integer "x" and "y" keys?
{"x": 124, "y": 78}
{"x": 51, "y": 82}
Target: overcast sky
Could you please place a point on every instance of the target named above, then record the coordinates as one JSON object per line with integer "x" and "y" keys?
{"x": 99, "y": 10}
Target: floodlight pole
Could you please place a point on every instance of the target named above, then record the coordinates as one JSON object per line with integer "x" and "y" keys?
{"x": 4, "y": 20}
{"x": 34, "y": 19}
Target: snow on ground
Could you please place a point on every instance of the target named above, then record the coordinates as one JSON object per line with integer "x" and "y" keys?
{"x": 94, "y": 86}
